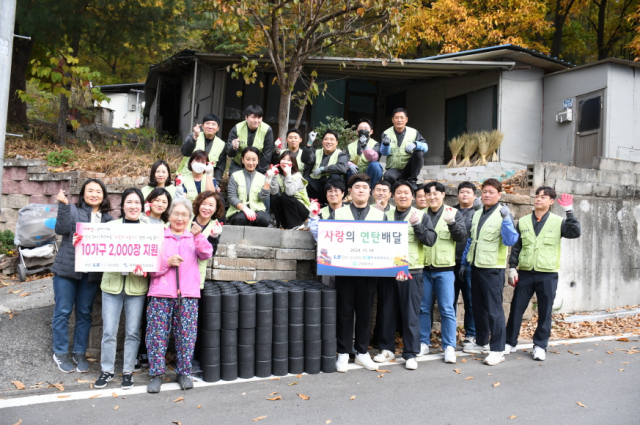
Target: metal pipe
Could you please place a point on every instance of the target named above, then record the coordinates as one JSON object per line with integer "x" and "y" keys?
{"x": 22, "y": 36}
{"x": 14, "y": 135}
{"x": 193, "y": 92}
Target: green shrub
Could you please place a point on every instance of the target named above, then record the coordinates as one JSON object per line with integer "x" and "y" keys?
{"x": 61, "y": 158}
{"x": 6, "y": 243}
{"x": 347, "y": 133}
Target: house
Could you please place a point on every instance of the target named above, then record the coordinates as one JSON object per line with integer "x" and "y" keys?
{"x": 127, "y": 102}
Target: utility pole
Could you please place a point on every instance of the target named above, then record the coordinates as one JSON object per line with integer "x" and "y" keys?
{"x": 7, "y": 24}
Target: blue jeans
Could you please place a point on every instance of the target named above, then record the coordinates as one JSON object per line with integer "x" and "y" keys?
{"x": 440, "y": 283}
{"x": 67, "y": 293}
{"x": 111, "y": 310}
{"x": 375, "y": 171}
{"x": 465, "y": 288}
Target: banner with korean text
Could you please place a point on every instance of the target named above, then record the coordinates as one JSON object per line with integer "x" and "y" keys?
{"x": 362, "y": 248}
{"x": 119, "y": 247}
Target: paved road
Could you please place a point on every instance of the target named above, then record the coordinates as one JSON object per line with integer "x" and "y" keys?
{"x": 533, "y": 392}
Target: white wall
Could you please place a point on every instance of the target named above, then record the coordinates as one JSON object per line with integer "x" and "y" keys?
{"x": 119, "y": 102}
{"x": 622, "y": 114}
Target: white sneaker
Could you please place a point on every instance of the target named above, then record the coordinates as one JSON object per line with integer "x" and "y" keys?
{"x": 342, "y": 362}
{"x": 477, "y": 349}
{"x": 468, "y": 341}
{"x": 365, "y": 361}
{"x": 424, "y": 350}
{"x": 494, "y": 358}
{"x": 384, "y": 356}
{"x": 539, "y": 353}
{"x": 450, "y": 355}
{"x": 411, "y": 364}
{"x": 509, "y": 349}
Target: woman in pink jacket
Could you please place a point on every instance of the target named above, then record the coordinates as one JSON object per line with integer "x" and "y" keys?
{"x": 173, "y": 299}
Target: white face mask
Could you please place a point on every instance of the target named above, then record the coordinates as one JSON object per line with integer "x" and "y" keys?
{"x": 198, "y": 167}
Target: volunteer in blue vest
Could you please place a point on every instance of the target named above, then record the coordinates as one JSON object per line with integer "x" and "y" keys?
{"x": 404, "y": 148}
{"x": 203, "y": 138}
{"x": 199, "y": 180}
{"x": 247, "y": 190}
{"x": 492, "y": 233}
{"x": 329, "y": 163}
{"x": 407, "y": 292}
{"x": 289, "y": 200}
{"x": 159, "y": 177}
{"x": 250, "y": 132}
{"x": 537, "y": 257}
{"x": 294, "y": 138}
{"x": 439, "y": 265}
{"x": 467, "y": 205}
{"x": 364, "y": 153}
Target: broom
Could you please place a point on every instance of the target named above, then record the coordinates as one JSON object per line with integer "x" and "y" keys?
{"x": 495, "y": 140}
{"x": 469, "y": 149}
{"x": 455, "y": 145}
{"x": 483, "y": 148}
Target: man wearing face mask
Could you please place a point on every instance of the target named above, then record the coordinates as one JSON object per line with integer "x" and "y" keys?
{"x": 250, "y": 132}
{"x": 329, "y": 163}
{"x": 364, "y": 153}
{"x": 204, "y": 138}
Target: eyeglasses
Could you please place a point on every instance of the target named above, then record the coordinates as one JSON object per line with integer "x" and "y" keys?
{"x": 334, "y": 191}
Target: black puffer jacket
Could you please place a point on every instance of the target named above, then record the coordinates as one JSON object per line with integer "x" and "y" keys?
{"x": 68, "y": 216}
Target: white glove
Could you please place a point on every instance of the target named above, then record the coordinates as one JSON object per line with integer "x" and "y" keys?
{"x": 209, "y": 169}
{"x": 270, "y": 174}
{"x": 410, "y": 147}
{"x": 286, "y": 170}
{"x": 217, "y": 229}
{"x": 449, "y": 215}
{"x": 312, "y": 138}
{"x": 318, "y": 171}
{"x": 513, "y": 276}
{"x": 249, "y": 213}
{"x": 566, "y": 202}
{"x": 386, "y": 140}
{"x": 314, "y": 209}
{"x": 178, "y": 180}
{"x": 477, "y": 204}
{"x": 413, "y": 218}
{"x": 196, "y": 131}
{"x": 353, "y": 167}
{"x": 278, "y": 144}
{"x": 235, "y": 143}
{"x": 504, "y": 211}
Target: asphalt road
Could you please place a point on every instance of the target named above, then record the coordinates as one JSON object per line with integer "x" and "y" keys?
{"x": 528, "y": 392}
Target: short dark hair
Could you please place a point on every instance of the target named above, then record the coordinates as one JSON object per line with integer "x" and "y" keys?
{"x": 335, "y": 133}
{"x": 382, "y": 183}
{"x": 357, "y": 178}
{"x": 250, "y": 149}
{"x": 128, "y": 192}
{"x": 399, "y": 183}
{"x": 294, "y": 161}
{"x": 335, "y": 184}
{"x": 367, "y": 120}
{"x": 404, "y": 111}
{"x": 159, "y": 191}
{"x": 494, "y": 183}
{"x": 199, "y": 155}
{"x": 420, "y": 187}
{"x": 294, "y": 130}
{"x": 439, "y": 187}
{"x": 152, "y": 177}
{"x": 105, "y": 205}
{"x": 549, "y": 191}
{"x": 253, "y": 110}
{"x": 209, "y": 194}
{"x": 211, "y": 117}
{"x": 467, "y": 185}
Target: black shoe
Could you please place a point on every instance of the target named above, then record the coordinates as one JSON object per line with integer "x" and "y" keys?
{"x": 82, "y": 365}
{"x": 127, "y": 381}
{"x": 103, "y": 380}
{"x": 185, "y": 382}
{"x": 137, "y": 367}
{"x": 144, "y": 360}
{"x": 63, "y": 362}
{"x": 155, "y": 384}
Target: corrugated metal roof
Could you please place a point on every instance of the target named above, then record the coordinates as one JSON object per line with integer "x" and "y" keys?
{"x": 616, "y": 61}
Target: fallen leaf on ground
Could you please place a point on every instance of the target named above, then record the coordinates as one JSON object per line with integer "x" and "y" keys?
{"x": 488, "y": 374}
{"x": 580, "y": 404}
{"x": 383, "y": 371}
{"x": 198, "y": 406}
{"x": 512, "y": 417}
{"x": 275, "y": 398}
{"x": 178, "y": 399}
{"x": 470, "y": 377}
{"x": 116, "y": 408}
{"x": 293, "y": 383}
{"x": 352, "y": 397}
{"x": 64, "y": 396}
{"x": 19, "y": 385}
{"x": 275, "y": 379}
{"x": 619, "y": 339}
{"x": 463, "y": 360}
{"x": 496, "y": 384}
{"x": 18, "y": 423}
{"x": 328, "y": 421}
{"x": 609, "y": 352}
{"x": 381, "y": 375}
{"x": 16, "y": 291}
{"x": 299, "y": 376}
{"x": 518, "y": 358}
{"x": 24, "y": 294}
{"x": 273, "y": 393}
{"x": 620, "y": 370}
{"x": 83, "y": 381}
{"x": 456, "y": 370}
{"x": 392, "y": 361}
{"x": 176, "y": 422}
{"x": 259, "y": 418}
{"x": 58, "y": 386}
{"x": 304, "y": 397}
{"x": 597, "y": 361}
{"x": 625, "y": 362}
{"x": 94, "y": 396}
{"x": 114, "y": 395}
{"x": 569, "y": 351}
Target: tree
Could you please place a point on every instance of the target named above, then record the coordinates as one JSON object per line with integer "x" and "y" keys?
{"x": 288, "y": 32}
{"x": 561, "y": 11}
{"x": 611, "y": 23}
{"x": 634, "y": 45}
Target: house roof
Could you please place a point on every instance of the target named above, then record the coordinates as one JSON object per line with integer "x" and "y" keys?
{"x": 616, "y": 61}
{"x": 121, "y": 88}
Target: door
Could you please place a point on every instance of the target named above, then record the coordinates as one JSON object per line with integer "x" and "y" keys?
{"x": 455, "y": 122}
{"x": 589, "y": 129}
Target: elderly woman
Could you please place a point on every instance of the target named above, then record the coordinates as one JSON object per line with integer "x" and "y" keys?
{"x": 173, "y": 297}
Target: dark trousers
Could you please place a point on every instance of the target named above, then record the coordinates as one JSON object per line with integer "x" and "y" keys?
{"x": 289, "y": 211}
{"x": 405, "y": 296}
{"x": 355, "y": 296}
{"x": 464, "y": 286}
{"x": 239, "y": 219}
{"x": 409, "y": 172}
{"x": 486, "y": 294}
{"x": 315, "y": 188}
{"x": 544, "y": 285}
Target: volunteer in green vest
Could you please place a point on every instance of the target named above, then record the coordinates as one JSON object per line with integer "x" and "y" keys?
{"x": 160, "y": 176}
{"x": 404, "y": 148}
{"x": 438, "y": 276}
{"x": 537, "y": 256}
{"x": 289, "y": 200}
{"x": 407, "y": 292}
{"x": 329, "y": 163}
{"x": 492, "y": 233}
{"x": 364, "y": 153}
{"x": 191, "y": 184}
{"x": 157, "y": 206}
{"x": 247, "y": 190}
{"x": 294, "y": 138}
{"x": 208, "y": 208}
{"x": 381, "y": 195}
{"x": 250, "y": 132}
{"x": 334, "y": 191}
{"x": 203, "y": 138}
{"x": 123, "y": 290}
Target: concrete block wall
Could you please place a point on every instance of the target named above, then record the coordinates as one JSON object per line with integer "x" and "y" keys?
{"x": 498, "y": 170}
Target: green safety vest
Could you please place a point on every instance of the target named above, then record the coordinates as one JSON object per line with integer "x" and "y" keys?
{"x": 333, "y": 160}
{"x": 325, "y": 212}
{"x": 243, "y": 134}
{"x": 487, "y": 250}
{"x": 148, "y": 189}
{"x": 300, "y": 195}
{"x": 399, "y": 157}
{"x": 298, "y": 160}
{"x": 190, "y": 185}
{"x": 416, "y": 249}
{"x": 253, "y": 197}
{"x": 541, "y": 252}
{"x": 345, "y": 213}
{"x": 214, "y": 154}
{"x": 202, "y": 264}
{"x": 360, "y": 161}
{"x": 443, "y": 252}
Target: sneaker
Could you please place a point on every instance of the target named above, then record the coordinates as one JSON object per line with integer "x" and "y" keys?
{"x": 450, "y": 355}
{"x": 509, "y": 349}
{"x": 384, "y": 356}
{"x": 494, "y": 358}
{"x": 342, "y": 362}
{"x": 411, "y": 364}
{"x": 424, "y": 349}
{"x": 127, "y": 381}
{"x": 155, "y": 384}
{"x": 477, "y": 349}
{"x": 103, "y": 380}
{"x": 365, "y": 361}
{"x": 468, "y": 341}
{"x": 539, "y": 353}
{"x": 63, "y": 362}
{"x": 184, "y": 382}
{"x": 80, "y": 359}
{"x": 144, "y": 360}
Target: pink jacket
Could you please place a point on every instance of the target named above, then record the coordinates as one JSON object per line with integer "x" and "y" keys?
{"x": 163, "y": 283}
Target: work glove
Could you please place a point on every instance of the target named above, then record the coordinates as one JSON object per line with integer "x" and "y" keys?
{"x": 217, "y": 229}
{"x": 353, "y": 167}
{"x": 278, "y": 144}
{"x": 363, "y": 138}
{"x": 513, "y": 276}
{"x": 139, "y": 272}
{"x": 178, "y": 180}
{"x": 251, "y": 216}
{"x": 504, "y": 211}
{"x": 410, "y": 147}
{"x": 314, "y": 209}
{"x": 449, "y": 215}
{"x": 147, "y": 209}
{"x": 235, "y": 144}
{"x": 402, "y": 276}
{"x": 477, "y": 204}
{"x": 378, "y": 205}
{"x": 76, "y": 239}
{"x": 566, "y": 202}
{"x": 286, "y": 170}
{"x": 370, "y": 155}
{"x": 318, "y": 171}
{"x": 209, "y": 169}
{"x": 386, "y": 140}
{"x": 462, "y": 272}
{"x": 312, "y": 138}
{"x": 196, "y": 131}
{"x": 271, "y": 172}
{"x": 413, "y": 218}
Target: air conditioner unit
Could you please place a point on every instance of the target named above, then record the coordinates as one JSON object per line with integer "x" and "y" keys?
{"x": 132, "y": 107}
{"x": 566, "y": 115}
